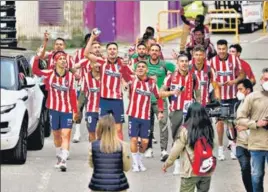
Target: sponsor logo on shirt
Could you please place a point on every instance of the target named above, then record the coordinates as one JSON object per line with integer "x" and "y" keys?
{"x": 143, "y": 92}
{"x": 203, "y": 83}
{"x": 60, "y": 87}
{"x": 94, "y": 89}
{"x": 112, "y": 73}
{"x": 225, "y": 73}
{"x": 175, "y": 87}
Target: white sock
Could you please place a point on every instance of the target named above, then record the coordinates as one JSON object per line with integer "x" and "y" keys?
{"x": 58, "y": 150}
{"x": 65, "y": 154}
{"x": 135, "y": 157}
{"x": 77, "y": 128}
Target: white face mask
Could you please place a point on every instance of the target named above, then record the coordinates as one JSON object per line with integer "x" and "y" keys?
{"x": 265, "y": 86}
{"x": 240, "y": 96}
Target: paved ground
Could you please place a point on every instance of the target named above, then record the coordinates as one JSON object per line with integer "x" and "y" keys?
{"x": 38, "y": 174}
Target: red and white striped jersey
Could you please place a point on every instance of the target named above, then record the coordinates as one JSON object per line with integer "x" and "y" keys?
{"x": 140, "y": 93}
{"x": 61, "y": 92}
{"x": 176, "y": 81}
{"x": 51, "y": 64}
{"x": 226, "y": 70}
{"x": 79, "y": 54}
{"x": 111, "y": 75}
{"x": 91, "y": 87}
{"x": 206, "y": 76}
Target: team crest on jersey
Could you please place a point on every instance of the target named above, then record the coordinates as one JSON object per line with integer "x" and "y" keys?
{"x": 230, "y": 65}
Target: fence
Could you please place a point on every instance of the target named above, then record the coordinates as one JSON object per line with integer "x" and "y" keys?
{"x": 173, "y": 27}
{"x": 225, "y": 20}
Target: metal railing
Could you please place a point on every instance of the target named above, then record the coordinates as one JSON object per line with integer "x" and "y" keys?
{"x": 265, "y": 17}
{"x": 174, "y": 26}
{"x": 227, "y": 20}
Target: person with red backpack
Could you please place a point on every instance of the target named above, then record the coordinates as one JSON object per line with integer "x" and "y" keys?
{"x": 194, "y": 145}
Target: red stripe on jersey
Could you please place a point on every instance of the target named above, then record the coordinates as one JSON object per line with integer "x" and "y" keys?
{"x": 203, "y": 76}
{"x": 79, "y": 54}
{"x": 175, "y": 81}
{"x": 92, "y": 90}
{"x": 140, "y": 98}
{"x": 111, "y": 76}
{"x": 226, "y": 71}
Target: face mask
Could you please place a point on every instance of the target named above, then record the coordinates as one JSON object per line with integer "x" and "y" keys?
{"x": 265, "y": 86}
{"x": 240, "y": 96}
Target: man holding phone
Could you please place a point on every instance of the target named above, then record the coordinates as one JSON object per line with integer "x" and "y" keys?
{"x": 182, "y": 89}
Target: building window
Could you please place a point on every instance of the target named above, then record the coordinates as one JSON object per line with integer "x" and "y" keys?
{"x": 51, "y": 12}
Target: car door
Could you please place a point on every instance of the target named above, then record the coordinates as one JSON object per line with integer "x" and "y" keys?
{"x": 29, "y": 101}
{"x": 37, "y": 95}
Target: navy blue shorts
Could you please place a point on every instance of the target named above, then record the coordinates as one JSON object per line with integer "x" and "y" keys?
{"x": 139, "y": 127}
{"x": 59, "y": 120}
{"x": 114, "y": 107}
{"x": 92, "y": 120}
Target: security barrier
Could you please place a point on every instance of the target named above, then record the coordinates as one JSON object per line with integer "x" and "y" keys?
{"x": 265, "y": 17}
{"x": 225, "y": 20}
{"x": 173, "y": 27}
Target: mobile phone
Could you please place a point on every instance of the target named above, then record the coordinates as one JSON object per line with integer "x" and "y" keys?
{"x": 182, "y": 88}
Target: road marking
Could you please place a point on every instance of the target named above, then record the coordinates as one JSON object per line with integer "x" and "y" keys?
{"x": 259, "y": 39}
{"x": 45, "y": 176}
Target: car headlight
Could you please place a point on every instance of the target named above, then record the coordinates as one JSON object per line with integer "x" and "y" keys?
{"x": 7, "y": 108}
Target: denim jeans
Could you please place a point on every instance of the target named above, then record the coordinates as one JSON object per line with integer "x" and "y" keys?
{"x": 257, "y": 169}
{"x": 243, "y": 156}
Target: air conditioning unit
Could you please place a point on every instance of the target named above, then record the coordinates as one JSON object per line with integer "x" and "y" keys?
{"x": 8, "y": 24}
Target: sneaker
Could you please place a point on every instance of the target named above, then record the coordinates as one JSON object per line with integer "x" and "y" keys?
{"x": 57, "y": 165}
{"x": 149, "y": 153}
{"x": 135, "y": 168}
{"x": 176, "y": 167}
{"x": 164, "y": 155}
{"x": 233, "y": 157}
{"x": 221, "y": 156}
{"x": 63, "y": 165}
{"x": 76, "y": 137}
{"x": 142, "y": 167}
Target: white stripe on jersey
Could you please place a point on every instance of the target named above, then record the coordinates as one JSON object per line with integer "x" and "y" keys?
{"x": 51, "y": 92}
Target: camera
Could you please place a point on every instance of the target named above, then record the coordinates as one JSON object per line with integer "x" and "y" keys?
{"x": 222, "y": 111}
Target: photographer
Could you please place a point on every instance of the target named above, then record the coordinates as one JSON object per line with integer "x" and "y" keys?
{"x": 244, "y": 88}
{"x": 254, "y": 116}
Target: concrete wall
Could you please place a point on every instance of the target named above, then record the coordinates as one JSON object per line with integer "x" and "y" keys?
{"x": 148, "y": 14}
{"x": 28, "y": 24}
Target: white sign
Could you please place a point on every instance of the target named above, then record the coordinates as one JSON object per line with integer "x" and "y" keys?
{"x": 252, "y": 12}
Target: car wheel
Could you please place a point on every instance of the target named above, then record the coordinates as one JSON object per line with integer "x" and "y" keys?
{"x": 47, "y": 123}
{"x": 37, "y": 138}
{"x": 18, "y": 155}
{"x": 250, "y": 27}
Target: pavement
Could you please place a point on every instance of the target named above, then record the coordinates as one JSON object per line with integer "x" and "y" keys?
{"x": 39, "y": 175}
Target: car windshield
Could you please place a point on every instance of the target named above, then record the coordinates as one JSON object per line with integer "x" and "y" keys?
{"x": 8, "y": 79}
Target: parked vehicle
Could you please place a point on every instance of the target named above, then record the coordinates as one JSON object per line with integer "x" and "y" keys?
{"x": 22, "y": 118}
{"x": 249, "y": 15}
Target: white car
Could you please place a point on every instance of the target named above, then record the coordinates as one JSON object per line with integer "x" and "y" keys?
{"x": 22, "y": 117}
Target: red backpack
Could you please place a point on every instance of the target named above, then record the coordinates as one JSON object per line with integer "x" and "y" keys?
{"x": 204, "y": 162}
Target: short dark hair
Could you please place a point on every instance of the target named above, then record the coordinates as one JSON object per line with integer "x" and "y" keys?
{"x": 246, "y": 83}
{"x": 144, "y": 62}
{"x": 111, "y": 43}
{"x": 182, "y": 55}
{"x": 150, "y": 28}
{"x": 155, "y": 44}
{"x": 222, "y": 42}
{"x": 237, "y": 47}
{"x": 199, "y": 48}
{"x": 87, "y": 36}
{"x": 201, "y": 29}
{"x": 201, "y": 18}
{"x": 141, "y": 44}
{"x": 57, "y": 52}
{"x": 265, "y": 70}
{"x": 61, "y": 39}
